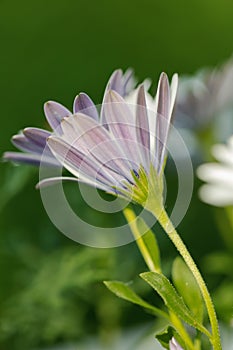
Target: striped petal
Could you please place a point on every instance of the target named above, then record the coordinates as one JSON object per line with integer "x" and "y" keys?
{"x": 142, "y": 126}
{"x": 90, "y": 137}
{"x": 29, "y": 158}
{"x": 23, "y": 144}
{"x": 165, "y": 100}
{"x": 84, "y": 104}
{"x": 37, "y": 136}
{"x": 121, "y": 123}
{"x": 33, "y": 140}
{"x": 54, "y": 113}
{"x": 116, "y": 82}
{"x": 81, "y": 165}
{"x": 162, "y": 118}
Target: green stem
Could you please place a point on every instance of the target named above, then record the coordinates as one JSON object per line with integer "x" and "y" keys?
{"x": 182, "y": 331}
{"x": 179, "y": 244}
{"x": 131, "y": 218}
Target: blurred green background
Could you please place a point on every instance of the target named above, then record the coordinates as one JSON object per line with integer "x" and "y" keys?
{"x": 50, "y": 287}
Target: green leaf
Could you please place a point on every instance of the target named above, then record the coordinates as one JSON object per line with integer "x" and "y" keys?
{"x": 188, "y": 288}
{"x": 166, "y": 335}
{"x": 171, "y": 299}
{"x": 123, "y": 291}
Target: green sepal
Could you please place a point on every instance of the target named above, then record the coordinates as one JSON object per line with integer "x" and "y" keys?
{"x": 147, "y": 189}
{"x": 172, "y": 300}
{"x": 123, "y": 291}
{"x": 188, "y": 288}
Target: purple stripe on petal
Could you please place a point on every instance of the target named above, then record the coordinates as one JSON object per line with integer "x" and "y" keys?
{"x": 142, "y": 127}
{"x": 142, "y": 122}
{"x": 121, "y": 122}
{"x": 37, "y": 136}
{"x": 85, "y": 134}
{"x": 116, "y": 82}
{"x": 80, "y": 164}
{"x": 84, "y": 104}
{"x": 23, "y": 144}
{"x": 129, "y": 82}
{"x": 119, "y": 117}
{"x": 162, "y": 121}
{"x": 27, "y": 158}
{"x": 54, "y": 113}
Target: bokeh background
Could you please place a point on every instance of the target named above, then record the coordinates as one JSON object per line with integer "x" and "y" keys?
{"x": 50, "y": 287}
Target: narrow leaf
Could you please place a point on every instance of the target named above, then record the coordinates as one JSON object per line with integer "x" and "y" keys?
{"x": 171, "y": 299}
{"x": 123, "y": 291}
{"x": 188, "y": 288}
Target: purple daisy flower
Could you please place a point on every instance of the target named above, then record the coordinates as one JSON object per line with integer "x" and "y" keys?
{"x": 115, "y": 151}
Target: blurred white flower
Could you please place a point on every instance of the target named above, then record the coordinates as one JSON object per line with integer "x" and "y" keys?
{"x": 219, "y": 176}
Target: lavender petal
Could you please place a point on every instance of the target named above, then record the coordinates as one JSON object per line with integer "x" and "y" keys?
{"x": 91, "y": 138}
{"x": 28, "y": 158}
{"x": 121, "y": 124}
{"x": 163, "y": 102}
{"x": 23, "y": 144}
{"x": 129, "y": 82}
{"x": 54, "y": 113}
{"x": 80, "y": 164}
{"x": 142, "y": 124}
{"x": 84, "y": 104}
{"x": 37, "y": 136}
{"x": 116, "y": 82}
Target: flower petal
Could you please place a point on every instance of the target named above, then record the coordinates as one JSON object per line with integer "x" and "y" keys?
{"x": 37, "y": 136}
{"x": 81, "y": 165}
{"x": 54, "y": 180}
{"x": 28, "y": 158}
{"x": 85, "y": 134}
{"x": 165, "y": 100}
{"x": 122, "y": 124}
{"x": 23, "y": 144}
{"x": 219, "y": 196}
{"x": 142, "y": 127}
{"x": 216, "y": 173}
{"x": 84, "y": 104}
{"x": 116, "y": 82}
{"x": 54, "y": 113}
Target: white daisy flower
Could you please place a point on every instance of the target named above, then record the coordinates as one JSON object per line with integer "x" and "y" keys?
{"x": 218, "y": 176}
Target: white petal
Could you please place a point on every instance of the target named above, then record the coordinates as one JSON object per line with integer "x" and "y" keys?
{"x": 216, "y": 195}
{"x": 222, "y": 153}
{"x": 216, "y": 173}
